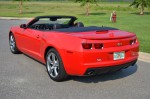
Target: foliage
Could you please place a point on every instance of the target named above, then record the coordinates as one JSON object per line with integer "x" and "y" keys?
{"x": 21, "y": 0}
{"x": 87, "y": 3}
{"x": 84, "y": 2}
{"x": 141, "y": 4}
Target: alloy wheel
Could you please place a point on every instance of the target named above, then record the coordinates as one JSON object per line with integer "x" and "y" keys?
{"x": 52, "y": 64}
{"x": 12, "y": 43}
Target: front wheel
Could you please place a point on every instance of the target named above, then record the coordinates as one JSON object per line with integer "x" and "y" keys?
{"x": 55, "y": 67}
{"x": 12, "y": 44}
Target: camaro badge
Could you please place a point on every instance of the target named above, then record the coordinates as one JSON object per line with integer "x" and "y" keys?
{"x": 119, "y": 44}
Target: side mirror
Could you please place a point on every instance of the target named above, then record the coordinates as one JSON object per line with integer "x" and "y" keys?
{"x": 23, "y": 26}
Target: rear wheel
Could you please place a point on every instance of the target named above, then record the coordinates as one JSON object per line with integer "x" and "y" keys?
{"x": 12, "y": 44}
{"x": 55, "y": 66}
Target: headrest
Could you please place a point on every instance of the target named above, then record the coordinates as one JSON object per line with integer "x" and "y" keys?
{"x": 79, "y": 24}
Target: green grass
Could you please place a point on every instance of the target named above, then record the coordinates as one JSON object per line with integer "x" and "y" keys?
{"x": 127, "y": 18}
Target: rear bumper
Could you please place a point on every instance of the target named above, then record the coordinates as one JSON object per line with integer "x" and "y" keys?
{"x": 80, "y": 63}
{"x": 102, "y": 70}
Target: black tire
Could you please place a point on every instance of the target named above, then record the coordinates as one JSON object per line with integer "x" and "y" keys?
{"x": 55, "y": 67}
{"x": 12, "y": 44}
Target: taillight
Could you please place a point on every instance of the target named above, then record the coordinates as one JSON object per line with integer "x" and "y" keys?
{"x": 133, "y": 41}
{"x": 87, "y": 45}
{"x": 98, "y": 46}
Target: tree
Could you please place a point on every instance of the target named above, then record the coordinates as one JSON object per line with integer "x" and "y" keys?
{"x": 142, "y": 4}
{"x": 21, "y": 5}
{"x": 87, "y": 4}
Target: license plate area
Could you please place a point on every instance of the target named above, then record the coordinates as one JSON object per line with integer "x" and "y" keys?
{"x": 118, "y": 55}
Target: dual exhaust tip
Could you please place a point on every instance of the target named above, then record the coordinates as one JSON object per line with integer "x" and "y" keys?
{"x": 93, "y": 72}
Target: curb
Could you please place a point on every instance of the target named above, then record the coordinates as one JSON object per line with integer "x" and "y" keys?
{"x": 142, "y": 56}
{"x": 14, "y": 18}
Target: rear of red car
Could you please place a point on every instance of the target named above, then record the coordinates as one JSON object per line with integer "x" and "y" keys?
{"x": 102, "y": 52}
{"x": 114, "y": 55}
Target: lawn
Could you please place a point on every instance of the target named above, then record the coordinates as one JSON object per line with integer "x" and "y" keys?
{"x": 127, "y": 18}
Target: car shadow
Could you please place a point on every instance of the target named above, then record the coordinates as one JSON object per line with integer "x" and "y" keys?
{"x": 34, "y": 59}
{"x": 99, "y": 78}
{"x": 107, "y": 77}
{"x": 137, "y": 13}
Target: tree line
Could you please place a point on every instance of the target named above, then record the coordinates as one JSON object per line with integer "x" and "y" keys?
{"x": 135, "y": 3}
{"x": 73, "y": 0}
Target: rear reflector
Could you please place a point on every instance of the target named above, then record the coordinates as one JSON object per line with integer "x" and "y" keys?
{"x": 98, "y": 46}
{"x": 87, "y": 45}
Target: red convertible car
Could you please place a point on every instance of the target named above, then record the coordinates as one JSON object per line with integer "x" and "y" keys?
{"x": 68, "y": 48}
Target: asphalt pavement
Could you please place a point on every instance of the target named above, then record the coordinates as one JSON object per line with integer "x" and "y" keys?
{"x": 24, "y": 78}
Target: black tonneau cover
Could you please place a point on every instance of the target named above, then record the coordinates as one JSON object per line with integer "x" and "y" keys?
{"x": 85, "y": 29}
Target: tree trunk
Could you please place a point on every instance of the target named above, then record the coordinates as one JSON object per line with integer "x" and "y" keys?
{"x": 142, "y": 10}
{"x": 87, "y": 8}
{"x": 20, "y": 6}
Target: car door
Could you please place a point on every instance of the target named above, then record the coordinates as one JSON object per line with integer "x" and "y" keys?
{"x": 31, "y": 42}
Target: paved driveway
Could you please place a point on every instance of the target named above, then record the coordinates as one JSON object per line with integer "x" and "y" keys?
{"x": 24, "y": 78}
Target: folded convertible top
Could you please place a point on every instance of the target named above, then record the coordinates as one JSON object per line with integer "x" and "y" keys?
{"x": 85, "y": 29}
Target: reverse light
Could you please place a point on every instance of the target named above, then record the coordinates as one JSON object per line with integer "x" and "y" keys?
{"x": 87, "y": 45}
{"x": 98, "y": 46}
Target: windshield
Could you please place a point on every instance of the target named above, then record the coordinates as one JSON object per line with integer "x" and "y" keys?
{"x": 53, "y": 21}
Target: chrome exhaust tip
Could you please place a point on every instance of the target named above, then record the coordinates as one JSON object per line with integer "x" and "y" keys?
{"x": 90, "y": 73}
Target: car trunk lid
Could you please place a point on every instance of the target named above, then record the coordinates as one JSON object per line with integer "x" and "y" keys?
{"x": 103, "y": 35}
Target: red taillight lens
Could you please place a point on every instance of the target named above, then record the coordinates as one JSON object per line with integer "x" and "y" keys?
{"x": 98, "y": 46}
{"x": 87, "y": 45}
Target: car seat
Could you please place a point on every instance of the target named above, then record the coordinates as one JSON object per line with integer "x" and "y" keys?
{"x": 79, "y": 24}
